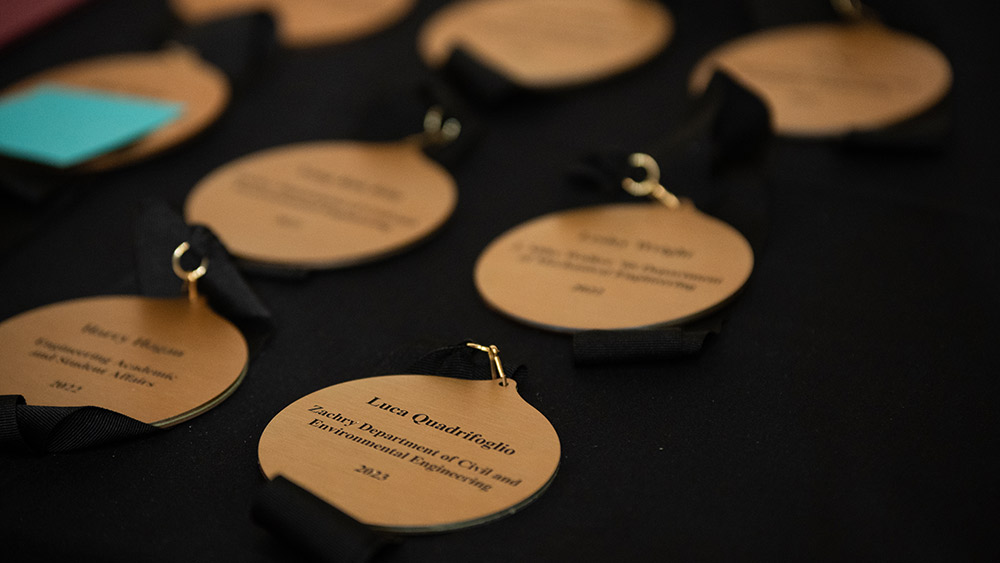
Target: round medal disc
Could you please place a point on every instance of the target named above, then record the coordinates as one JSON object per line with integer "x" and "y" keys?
{"x": 159, "y": 361}
{"x": 414, "y": 453}
{"x": 171, "y": 75}
{"x": 615, "y": 266}
{"x": 550, "y": 43}
{"x": 304, "y": 23}
{"x": 324, "y": 204}
{"x": 830, "y": 79}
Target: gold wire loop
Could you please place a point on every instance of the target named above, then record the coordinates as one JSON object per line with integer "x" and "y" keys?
{"x": 174, "y": 46}
{"x": 190, "y": 277}
{"x": 496, "y": 368}
{"x": 437, "y": 129}
{"x": 854, "y": 10}
{"x": 650, "y": 185}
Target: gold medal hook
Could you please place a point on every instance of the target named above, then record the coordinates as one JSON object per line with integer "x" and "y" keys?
{"x": 650, "y": 185}
{"x": 853, "y": 10}
{"x": 437, "y": 129}
{"x": 496, "y": 368}
{"x": 190, "y": 277}
{"x": 175, "y": 46}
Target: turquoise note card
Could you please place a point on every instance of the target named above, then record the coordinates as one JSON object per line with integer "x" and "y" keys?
{"x": 63, "y": 126}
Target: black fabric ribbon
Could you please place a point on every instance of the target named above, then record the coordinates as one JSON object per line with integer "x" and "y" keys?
{"x": 596, "y": 347}
{"x": 717, "y": 158}
{"x": 320, "y": 530}
{"x": 34, "y": 183}
{"x": 390, "y": 115}
{"x": 59, "y": 429}
{"x": 611, "y": 346}
{"x": 314, "y": 527}
{"x": 56, "y": 429}
{"x": 159, "y": 231}
{"x": 239, "y": 46}
{"x": 479, "y": 81}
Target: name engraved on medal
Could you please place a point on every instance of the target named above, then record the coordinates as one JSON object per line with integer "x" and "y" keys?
{"x": 160, "y": 361}
{"x": 324, "y": 204}
{"x": 141, "y": 341}
{"x": 313, "y": 193}
{"x": 399, "y": 446}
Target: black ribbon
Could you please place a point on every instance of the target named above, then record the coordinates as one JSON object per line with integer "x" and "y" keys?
{"x": 320, "y": 530}
{"x": 56, "y": 429}
{"x": 315, "y": 528}
{"x": 390, "y": 115}
{"x": 717, "y": 158}
{"x": 35, "y": 184}
{"x": 239, "y": 46}
{"x": 595, "y": 347}
{"x": 159, "y": 231}
{"x": 478, "y": 80}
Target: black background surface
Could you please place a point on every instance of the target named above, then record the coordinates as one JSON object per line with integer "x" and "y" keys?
{"x": 847, "y": 411}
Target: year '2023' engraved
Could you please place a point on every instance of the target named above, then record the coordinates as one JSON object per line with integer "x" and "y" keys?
{"x": 371, "y": 472}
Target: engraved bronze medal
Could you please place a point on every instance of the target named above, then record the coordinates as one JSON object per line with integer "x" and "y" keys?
{"x": 415, "y": 453}
{"x": 829, "y": 79}
{"x": 328, "y": 204}
{"x": 158, "y": 360}
{"x": 617, "y": 266}
{"x": 549, "y": 43}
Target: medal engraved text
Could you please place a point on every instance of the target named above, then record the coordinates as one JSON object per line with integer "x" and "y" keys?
{"x": 417, "y": 449}
{"x": 335, "y": 197}
{"x": 100, "y": 360}
{"x": 600, "y": 257}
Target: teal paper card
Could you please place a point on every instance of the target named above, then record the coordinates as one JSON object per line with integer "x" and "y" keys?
{"x": 62, "y": 126}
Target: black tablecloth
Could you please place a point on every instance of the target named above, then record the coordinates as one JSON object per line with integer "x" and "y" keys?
{"x": 846, "y": 411}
